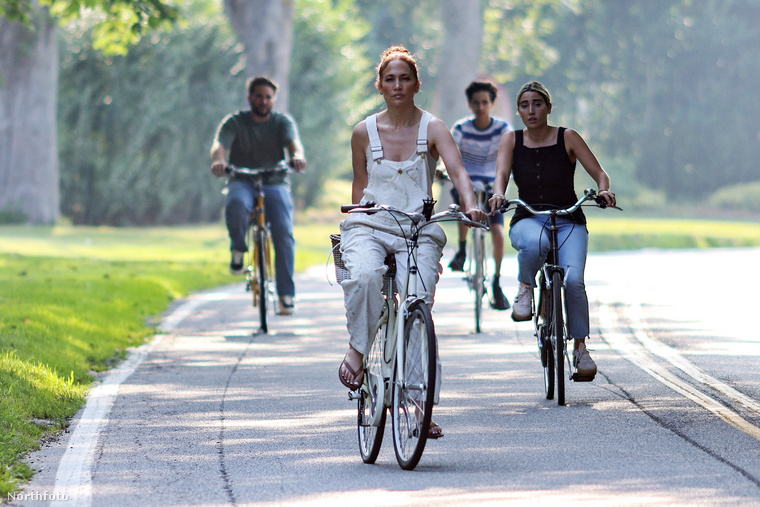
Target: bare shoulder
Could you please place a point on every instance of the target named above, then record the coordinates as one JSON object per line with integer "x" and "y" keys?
{"x": 572, "y": 137}
{"x": 359, "y": 134}
{"x": 508, "y": 138}
{"x": 438, "y": 131}
{"x": 436, "y": 125}
{"x": 360, "y": 129}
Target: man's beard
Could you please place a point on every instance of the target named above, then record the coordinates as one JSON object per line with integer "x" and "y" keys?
{"x": 262, "y": 112}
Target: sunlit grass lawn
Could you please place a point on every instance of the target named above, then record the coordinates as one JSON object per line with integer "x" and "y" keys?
{"x": 622, "y": 233}
{"x": 74, "y": 299}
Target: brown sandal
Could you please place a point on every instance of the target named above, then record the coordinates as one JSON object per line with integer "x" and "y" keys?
{"x": 359, "y": 376}
{"x": 434, "y": 431}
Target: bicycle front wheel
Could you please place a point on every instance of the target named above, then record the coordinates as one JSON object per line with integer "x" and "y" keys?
{"x": 414, "y": 383}
{"x": 558, "y": 336}
{"x": 371, "y": 423}
{"x": 479, "y": 247}
{"x": 262, "y": 278}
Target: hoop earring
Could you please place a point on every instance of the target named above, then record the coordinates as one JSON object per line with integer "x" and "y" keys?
{"x": 379, "y": 102}
{"x": 424, "y": 103}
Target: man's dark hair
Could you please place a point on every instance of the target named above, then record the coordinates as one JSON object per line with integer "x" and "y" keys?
{"x": 253, "y": 82}
{"x": 480, "y": 86}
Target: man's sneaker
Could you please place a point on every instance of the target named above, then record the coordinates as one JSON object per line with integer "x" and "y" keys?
{"x": 236, "y": 264}
{"x": 583, "y": 363}
{"x": 286, "y": 305}
{"x": 457, "y": 263}
{"x": 499, "y": 300}
{"x": 523, "y": 308}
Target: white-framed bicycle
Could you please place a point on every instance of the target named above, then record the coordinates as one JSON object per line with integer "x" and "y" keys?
{"x": 400, "y": 368}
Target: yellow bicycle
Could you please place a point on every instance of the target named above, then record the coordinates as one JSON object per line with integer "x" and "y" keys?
{"x": 260, "y": 263}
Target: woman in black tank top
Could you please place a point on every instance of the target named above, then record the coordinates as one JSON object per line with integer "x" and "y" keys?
{"x": 541, "y": 158}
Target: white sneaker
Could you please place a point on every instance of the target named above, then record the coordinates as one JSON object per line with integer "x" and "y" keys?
{"x": 584, "y": 364}
{"x": 286, "y": 305}
{"x": 523, "y": 308}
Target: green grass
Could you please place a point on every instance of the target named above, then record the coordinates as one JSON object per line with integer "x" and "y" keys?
{"x": 622, "y": 233}
{"x": 74, "y": 299}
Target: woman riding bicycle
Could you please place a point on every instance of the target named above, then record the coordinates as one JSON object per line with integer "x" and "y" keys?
{"x": 541, "y": 158}
{"x": 394, "y": 155}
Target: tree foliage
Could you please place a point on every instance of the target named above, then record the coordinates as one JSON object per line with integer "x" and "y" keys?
{"x": 329, "y": 73}
{"x": 121, "y": 22}
{"x": 648, "y": 81}
{"x": 136, "y": 129}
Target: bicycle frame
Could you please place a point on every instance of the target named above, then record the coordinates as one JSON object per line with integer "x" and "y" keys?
{"x": 399, "y": 302}
{"x": 549, "y": 269}
{"x": 477, "y": 272}
{"x": 260, "y": 256}
{"x": 404, "y": 315}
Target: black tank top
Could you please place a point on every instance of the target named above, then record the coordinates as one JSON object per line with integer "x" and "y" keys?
{"x": 545, "y": 177}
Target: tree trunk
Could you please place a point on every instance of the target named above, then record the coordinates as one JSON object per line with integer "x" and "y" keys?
{"x": 460, "y": 56}
{"x": 266, "y": 29}
{"x": 28, "y": 136}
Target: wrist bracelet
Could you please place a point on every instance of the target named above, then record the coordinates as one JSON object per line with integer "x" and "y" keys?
{"x": 603, "y": 190}
{"x": 501, "y": 196}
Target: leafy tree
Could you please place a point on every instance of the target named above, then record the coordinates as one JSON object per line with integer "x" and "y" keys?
{"x": 329, "y": 75}
{"x": 28, "y": 85}
{"x": 265, "y": 27}
{"x": 136, "y": 129}
{"x": 647, "y": 81}
{"x": 122, "y": 22}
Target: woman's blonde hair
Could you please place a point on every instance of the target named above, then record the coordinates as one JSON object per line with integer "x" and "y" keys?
{"x": 534, "y": 86}
{"x": 397, "y": 52}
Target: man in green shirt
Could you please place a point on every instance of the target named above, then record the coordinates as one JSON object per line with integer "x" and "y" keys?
{"x": 254, "y": 138}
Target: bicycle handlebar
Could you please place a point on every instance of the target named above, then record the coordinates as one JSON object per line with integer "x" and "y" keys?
{"x": 450, "y": 215}
{"x": 588, "y": 195}
{"x": 281, "y": 166}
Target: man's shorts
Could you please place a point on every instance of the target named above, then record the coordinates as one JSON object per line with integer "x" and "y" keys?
{"x": 498, "y": 218}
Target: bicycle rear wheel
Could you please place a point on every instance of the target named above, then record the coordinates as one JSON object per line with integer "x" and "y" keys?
{"x": 413, "y": 396}
{"x": 371, "y": 422}
{"x": 558, "y": 336}
{"x": 479, "y": 278}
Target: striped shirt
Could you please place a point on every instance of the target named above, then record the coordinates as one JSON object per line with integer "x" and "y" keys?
{"x": 479, "y": 147}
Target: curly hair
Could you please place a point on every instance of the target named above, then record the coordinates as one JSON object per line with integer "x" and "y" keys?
{"x": 480, "y": 86}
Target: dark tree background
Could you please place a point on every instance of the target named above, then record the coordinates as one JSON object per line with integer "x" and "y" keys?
{"x": 663, "y": 90}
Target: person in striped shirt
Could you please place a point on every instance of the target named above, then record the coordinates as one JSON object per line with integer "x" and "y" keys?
{"x": 478, "y": 139}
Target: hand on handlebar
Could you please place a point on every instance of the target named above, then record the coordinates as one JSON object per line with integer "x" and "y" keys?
{"x": 608, "y": 197}
{"x": 476, "y": 215}
{"x": 218, "y": 169}
{"x": 298, "y": 164}
{"x": 496, "y": 202}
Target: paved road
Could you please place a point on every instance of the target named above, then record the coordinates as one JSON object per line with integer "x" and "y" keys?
{"x": 213, "y": 415}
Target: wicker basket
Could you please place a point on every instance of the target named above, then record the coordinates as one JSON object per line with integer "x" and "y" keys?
{"x": 341, "y": 273}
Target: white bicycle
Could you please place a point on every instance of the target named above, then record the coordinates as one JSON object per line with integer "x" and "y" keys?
{"x": 400, "y": 368}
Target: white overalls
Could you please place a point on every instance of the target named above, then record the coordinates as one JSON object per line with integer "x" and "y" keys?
{"x": 367, "y": 239}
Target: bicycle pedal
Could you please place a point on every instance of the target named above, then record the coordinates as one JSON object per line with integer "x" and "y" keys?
{"x": 354, "y": 395}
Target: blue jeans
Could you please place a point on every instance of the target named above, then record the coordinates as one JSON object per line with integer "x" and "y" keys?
{"x": 530, "y": 237}
{"x": 278, "y": 207}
